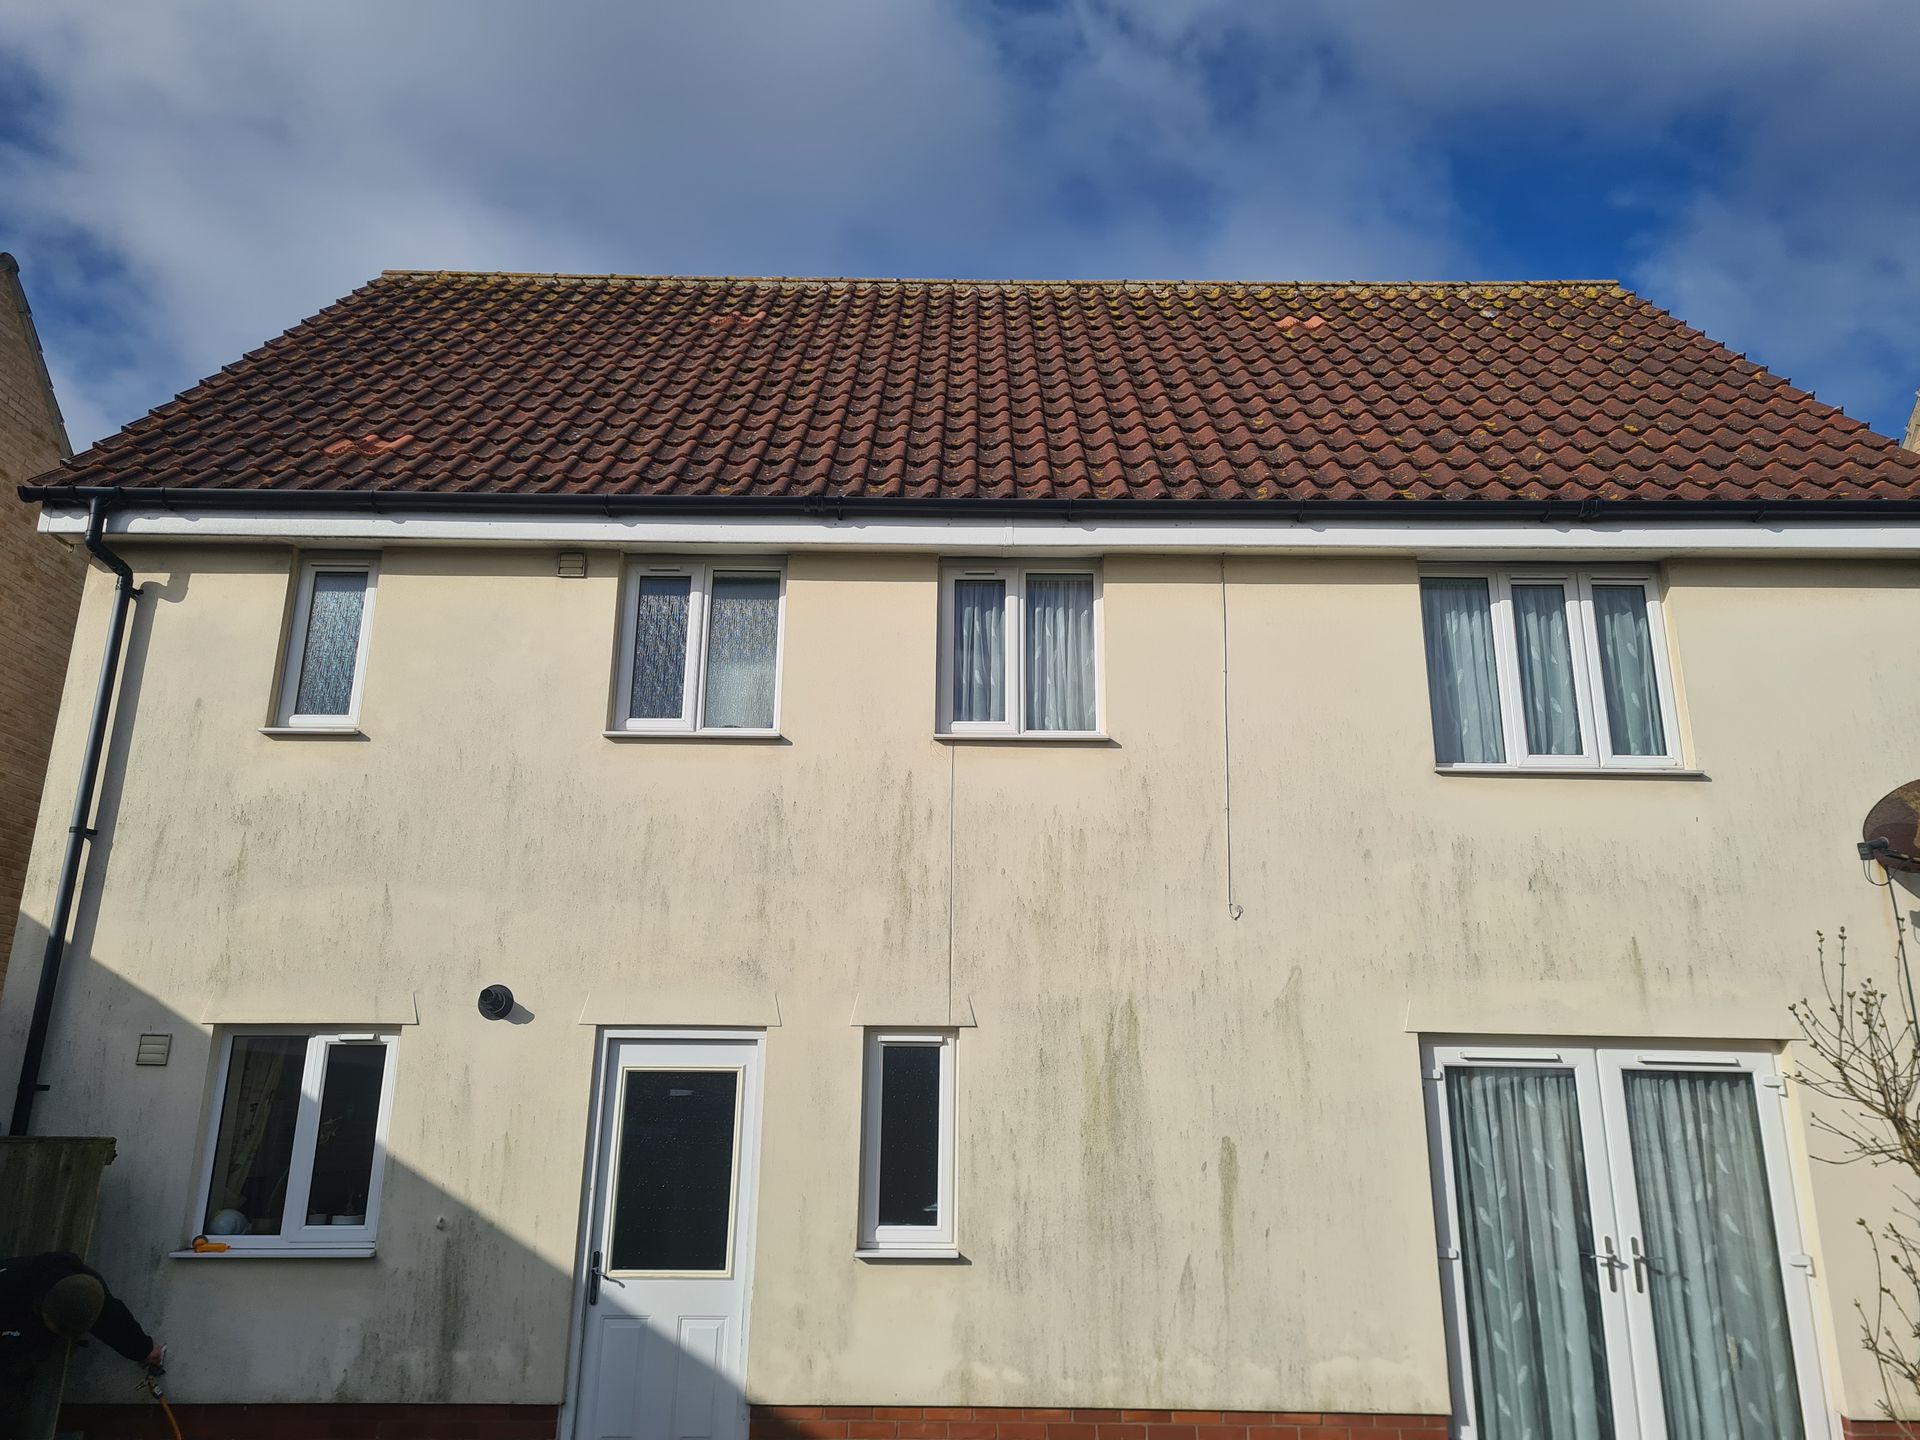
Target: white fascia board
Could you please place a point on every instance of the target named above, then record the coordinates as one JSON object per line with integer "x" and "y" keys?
{"x": 1429, "y": 539}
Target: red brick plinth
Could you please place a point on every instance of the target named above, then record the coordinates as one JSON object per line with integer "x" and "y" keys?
{"x": 1001, "y": 1422}
{"x": 315, "y": 1422}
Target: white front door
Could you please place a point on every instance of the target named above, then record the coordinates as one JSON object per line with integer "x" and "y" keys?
{"x": 1620, "y": 1245}
{"x": 669, "y": 1241}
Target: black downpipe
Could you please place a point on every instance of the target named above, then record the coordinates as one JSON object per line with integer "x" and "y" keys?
{"x": 80, "y": 831}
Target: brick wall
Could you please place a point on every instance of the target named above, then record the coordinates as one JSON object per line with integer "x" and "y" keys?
{"x": 781, "y": 1422}
{"x": 314, "y": 1422}
{"x": 895, "y": 1422}
{"x": 39, "y": 596}
{"x": 770, "y": 1422}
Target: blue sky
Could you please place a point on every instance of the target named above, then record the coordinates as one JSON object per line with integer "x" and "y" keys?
{"x": 183, "y": 178}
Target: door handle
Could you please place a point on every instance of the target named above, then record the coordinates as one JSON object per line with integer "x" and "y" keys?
{"x": 1642, "y": 1263}
{"x": 1610, "y": 1258}
{"x": 593, "y": 1279}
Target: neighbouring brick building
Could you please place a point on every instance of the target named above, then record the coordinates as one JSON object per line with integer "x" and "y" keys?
{"x": 39, "y": 591}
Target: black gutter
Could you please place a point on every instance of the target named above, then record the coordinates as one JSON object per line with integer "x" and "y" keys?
{"x": 80, "y": 831}
{"x": 851, "y": 508}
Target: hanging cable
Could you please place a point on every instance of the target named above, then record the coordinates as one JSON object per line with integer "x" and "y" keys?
{"x": 1234, "y": 911}
{"x": 952, "y": 783}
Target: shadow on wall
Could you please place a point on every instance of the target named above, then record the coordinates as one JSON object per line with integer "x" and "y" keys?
{"x": 456, "y": 1326}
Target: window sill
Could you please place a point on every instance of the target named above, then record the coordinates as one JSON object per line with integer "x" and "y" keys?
{"x": 313, "y": 732}
{"x": 906, "y": 1254}
{"x": 1579, "y": 772}
{"x": 757, "y": 737}
{"x": 288, "y": 1252}
{"x": 1026, "y": 737}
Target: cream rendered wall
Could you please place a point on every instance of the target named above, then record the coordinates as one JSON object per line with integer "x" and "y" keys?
{"x": 1192, "y": 1165}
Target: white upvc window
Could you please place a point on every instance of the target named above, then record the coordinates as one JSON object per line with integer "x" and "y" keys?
{"x": 1535, "y": 667}
{"x": 326, "y": 649}
{"x": 700, "y": 647}
{"x": 297, "y": 1140}
{"x": 906, "y": 1186}
{"x": 1020, "y": 649}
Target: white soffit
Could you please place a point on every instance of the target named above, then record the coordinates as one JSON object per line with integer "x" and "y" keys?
{"x": 1469, "y": 537}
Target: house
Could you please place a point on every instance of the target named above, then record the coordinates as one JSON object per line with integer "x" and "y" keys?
{"x": 39, "y": 591}
{"x": 1095, "y": 861}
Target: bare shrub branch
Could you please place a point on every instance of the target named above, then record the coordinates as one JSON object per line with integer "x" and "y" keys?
{"x": 1862, "y": 1051}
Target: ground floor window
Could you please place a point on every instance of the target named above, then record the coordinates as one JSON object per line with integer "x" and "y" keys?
{"x": 906, "y": 1199}
{"x": 298, "y": 1139}
{"x": 1621, "y": 1250}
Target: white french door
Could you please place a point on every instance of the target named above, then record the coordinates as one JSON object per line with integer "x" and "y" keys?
{"x": 1619, "y": 1245}
{"x": 669, "y": 1240}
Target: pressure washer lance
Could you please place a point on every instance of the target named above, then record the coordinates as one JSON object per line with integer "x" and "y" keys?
{"x": 151, "y": 1384}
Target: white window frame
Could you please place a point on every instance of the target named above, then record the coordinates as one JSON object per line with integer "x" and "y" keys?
{"x": 1596, "y": 741}
{"x": 296, "y": 1236}
{"x": 693, "y": 690}
{"x": 909, "y": 1240}
{"x": 1015, "y": 579}
{"x": 294, "y": 651}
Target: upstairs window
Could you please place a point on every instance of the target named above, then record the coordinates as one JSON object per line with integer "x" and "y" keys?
{"x": 327, "y": 645}
{"x": 700, "y": 648}
{"x": 1019, "y": 650}
{"x": 906, "y": 1192}
{"x": 1548, "y": 669}
{"x": 298, "y": 1140}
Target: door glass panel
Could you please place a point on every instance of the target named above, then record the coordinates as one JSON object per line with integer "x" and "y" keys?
{"x": 343, "y": 1144}
{"x": 1713, "y": 1269}
{"x": 254, "y": 1154}
{"x": 909, "y": 1134}
{"x": 673, "y": 1183}
{"x": 1537, "y": 1347}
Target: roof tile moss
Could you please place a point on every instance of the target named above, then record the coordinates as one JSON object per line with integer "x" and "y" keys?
{"x": 439, "y": 381}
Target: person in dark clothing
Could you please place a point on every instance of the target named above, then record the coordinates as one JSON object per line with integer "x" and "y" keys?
{"x": 46, "y": 1303}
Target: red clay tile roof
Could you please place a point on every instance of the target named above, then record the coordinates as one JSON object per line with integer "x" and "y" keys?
{"x": 552, "y": 385}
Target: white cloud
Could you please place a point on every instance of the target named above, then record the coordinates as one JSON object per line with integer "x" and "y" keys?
{"x": 243, "y": 165}
{"x": 201, "y": 173}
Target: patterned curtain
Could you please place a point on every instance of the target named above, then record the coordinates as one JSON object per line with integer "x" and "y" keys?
{"x": 1719, "y": 1310}
{"x": 255, "y": 1148}
{"x": 1462, "y": 684}
{"x": 979, "y": 650}
{"x": 743, "y": 635}
{"x": 1546, "y": 670}
{"x": 1060, "y": 652}
{"x": 1627, "y": 672}
{"x": 1538, "y": 1352}
{"x": 332, "y": 646}
{"x": 660, "y": 647}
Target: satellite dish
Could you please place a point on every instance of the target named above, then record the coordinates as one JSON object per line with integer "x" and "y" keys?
{"x": 1891, "y": 835}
